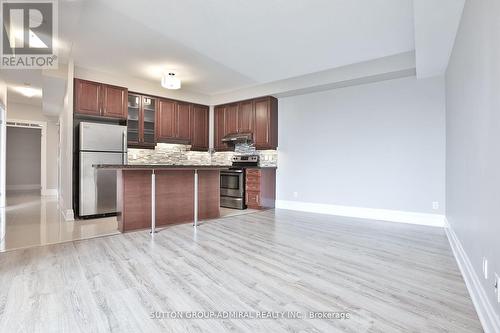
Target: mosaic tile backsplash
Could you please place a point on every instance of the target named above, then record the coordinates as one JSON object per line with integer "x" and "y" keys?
{"x": 181, "y": 155}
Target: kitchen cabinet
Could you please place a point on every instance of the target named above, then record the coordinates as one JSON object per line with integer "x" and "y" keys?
{"x": 260, "y": 188}
{"x": 166, "y": 129}
{"x": 99, "y": 100}
{"x": 258, "y": 117}
{"x": 231, "y": 119}
{"x": 220, "y": 116}
{"x": 183, "y": 121}
{"x": 114, "y": 101}
{"x": 174, "y": 122}
{"x": 246, "y": 116}
{"x": 199, "y": 128}
{"x": 141, "y": 121}
{"x": 265, "y": 133}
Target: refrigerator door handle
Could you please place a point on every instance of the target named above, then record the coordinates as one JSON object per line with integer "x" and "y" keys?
{"x": 124, "y": 145}
{"x": 96, "y": 190}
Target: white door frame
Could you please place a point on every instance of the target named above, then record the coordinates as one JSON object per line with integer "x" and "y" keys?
{"x": 41, "y": 125}
{"x": 3, "y": 163}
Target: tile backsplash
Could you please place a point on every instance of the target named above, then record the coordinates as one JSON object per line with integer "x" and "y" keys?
{"x": 181, "y": 155}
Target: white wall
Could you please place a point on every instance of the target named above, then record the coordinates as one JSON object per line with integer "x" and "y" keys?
{"x": 473, "y": 148}
{"x": 23, "y": 158}
{"x": 31, "y": 112}
{"x": 379, "y": 145}
{"x": 66, "y": 149}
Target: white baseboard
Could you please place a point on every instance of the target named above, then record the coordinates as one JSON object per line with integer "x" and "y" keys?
{"x": 50, "y": 192}
{"x": 26, "y": 187}
{"x": 485, "y": 310}
{"x": 434, "y": 220}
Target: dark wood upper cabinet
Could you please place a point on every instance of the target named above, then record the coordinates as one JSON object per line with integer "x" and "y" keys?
{"x": 258, "y": 116}
{"x": 114, "y": 101}
{"x": 220, "y": 128}
{"x": 231, "y": 125}
{"x": 100, "y": 100}
{"x": 179, "y": 122}
{"x": 87, "y": 97}
{"x": 246, "y": 117}
{"x": 199, "y": 128}
{"x": 166, "y": 128}
{"x": 265, "y": 133}
{"x": 183, "y": 121}
{"x": 141, "y": 121}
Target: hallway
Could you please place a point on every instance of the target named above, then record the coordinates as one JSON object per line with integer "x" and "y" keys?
{"x": 32, "y": 220}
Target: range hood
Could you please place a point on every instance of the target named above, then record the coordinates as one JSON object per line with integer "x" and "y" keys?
{"x": 238, "y": 137}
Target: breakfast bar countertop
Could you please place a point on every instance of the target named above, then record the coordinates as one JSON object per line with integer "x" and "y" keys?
{"x": 160, "y": 166}
{"x": 173, "y": 166}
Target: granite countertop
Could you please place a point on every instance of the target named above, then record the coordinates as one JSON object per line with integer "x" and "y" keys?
{"x": 260, "y": 167}
{"x": 158, "y": 166}
{"x": 173, "y": 166}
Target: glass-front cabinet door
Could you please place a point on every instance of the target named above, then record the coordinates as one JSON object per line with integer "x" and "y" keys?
{"x": 133, "y": 119}
{"x": 141, "y": 121}
{"x": 149, "y": 108}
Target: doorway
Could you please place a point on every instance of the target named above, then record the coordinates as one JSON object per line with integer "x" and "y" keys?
{"x": 25, "y": 157}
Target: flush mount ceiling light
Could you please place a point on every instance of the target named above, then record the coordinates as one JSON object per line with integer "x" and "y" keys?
{"x": 28, "y": 91}
{"x": 169, "y": 81}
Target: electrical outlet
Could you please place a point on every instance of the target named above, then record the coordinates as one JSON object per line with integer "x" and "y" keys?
{"x": 295, "y": 195}
{"x": 485, "y": 267}
{"x": 435, "y": 205}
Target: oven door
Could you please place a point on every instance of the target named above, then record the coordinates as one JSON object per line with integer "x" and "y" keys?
{"x": 232, "y": 183}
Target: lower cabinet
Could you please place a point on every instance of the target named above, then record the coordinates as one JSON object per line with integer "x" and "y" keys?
{"x": 260, "y": 189}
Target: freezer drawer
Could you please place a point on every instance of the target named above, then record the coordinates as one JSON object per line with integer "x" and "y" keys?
{"x": 103, "y": 137}
{"x": 98, "y": 186}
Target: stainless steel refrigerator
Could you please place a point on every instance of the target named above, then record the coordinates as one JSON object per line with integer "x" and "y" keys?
{"x": 100, "y": 144}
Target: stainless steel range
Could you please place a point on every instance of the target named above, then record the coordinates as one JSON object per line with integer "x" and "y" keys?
{"x": 232, "y": 182}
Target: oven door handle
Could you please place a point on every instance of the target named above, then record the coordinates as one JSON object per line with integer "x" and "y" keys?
{"x": 231, "y": 173}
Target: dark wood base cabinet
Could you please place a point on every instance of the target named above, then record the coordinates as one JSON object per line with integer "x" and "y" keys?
{"x": 174, "y": 197}
{"x": 260, "y": 191}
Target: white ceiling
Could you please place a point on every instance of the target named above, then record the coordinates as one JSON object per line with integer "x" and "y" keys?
{"x": 436, "y": 26}
{"x": 220, "y": 45}
{"x": 52, "y": 84}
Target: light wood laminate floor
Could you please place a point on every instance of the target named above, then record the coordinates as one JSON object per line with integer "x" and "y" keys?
{"x": 389, "y": 277}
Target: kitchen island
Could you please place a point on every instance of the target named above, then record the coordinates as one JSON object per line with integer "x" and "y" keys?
{"x": 157, "y": 195}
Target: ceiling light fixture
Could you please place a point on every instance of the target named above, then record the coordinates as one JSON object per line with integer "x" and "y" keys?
{"x": 28, "y": 91}
{"x": 169, "y": 81}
